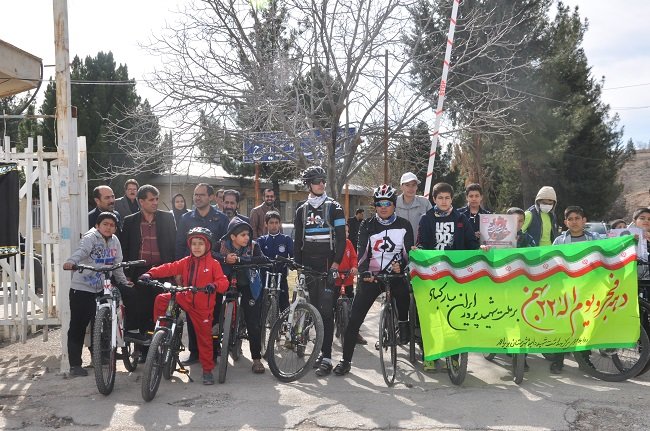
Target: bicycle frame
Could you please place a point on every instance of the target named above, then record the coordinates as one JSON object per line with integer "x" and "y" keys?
{"x": 112, "y": 299}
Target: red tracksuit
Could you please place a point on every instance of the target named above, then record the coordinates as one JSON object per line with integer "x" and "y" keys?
{"x": 198, "y": 272}
{"x": 348, "y": 262}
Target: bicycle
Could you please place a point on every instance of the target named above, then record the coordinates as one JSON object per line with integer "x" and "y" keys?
{"x": 617, "y": 365}
{"x": 414, "y": 326}
{"x": 108, "y": 332}
{"x": 166, "y": 342}
{"x": 232, "y": 324}
{"x": 270, "y": 305}
{"x": 297, "y": 335}
{"x": 518, "y": 365}
{"x": 388, "y": 328}
{"x": 342, "y": 311}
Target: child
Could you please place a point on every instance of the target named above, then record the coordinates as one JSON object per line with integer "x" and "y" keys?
{"x": 444, "y": 228}
{"x": 574, "y": 220}
{"x": 99, "y": 247}
{"x": 540, "y": 221}
{"x": 349, "y": 263}
{"x": 473, "y": 210}
{"x": 199, "y": 269}
{"x": 237, "y": 247}
{"x": 274, "y": 244}
{"x": 523, "y": 238}
{"x": 618, "y": 224}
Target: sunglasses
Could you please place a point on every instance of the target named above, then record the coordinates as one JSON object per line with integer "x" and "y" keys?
{"x": 317, "y": 181}
{"x": 383, "y": 204}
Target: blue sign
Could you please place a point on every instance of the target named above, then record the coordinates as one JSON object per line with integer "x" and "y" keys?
{"x": 278, "y": 146}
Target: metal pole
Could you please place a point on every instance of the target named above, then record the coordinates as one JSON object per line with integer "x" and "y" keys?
{"x": 257, "y": 184}
{"x": 441, "y": 97}
{"x": 386, "y": 118}
{"x": 68, "y": 164}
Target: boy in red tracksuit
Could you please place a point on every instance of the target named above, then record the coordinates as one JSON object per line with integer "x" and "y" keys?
{"x": 199, "y": 269}
{"x": 349, "y": 263}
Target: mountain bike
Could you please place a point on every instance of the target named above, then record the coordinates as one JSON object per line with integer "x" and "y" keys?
{"x": 232, "y": 323}
{"x": 166, "y": 342}
{"x": 108, "y": 332}
{"x": 297, "y": 335}
{"x": 270, "y": 305}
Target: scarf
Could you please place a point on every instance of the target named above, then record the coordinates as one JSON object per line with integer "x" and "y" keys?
{"x": 316, "y": 201}
{"x": 438, "y": 213}
{"x": 388, "y": 221}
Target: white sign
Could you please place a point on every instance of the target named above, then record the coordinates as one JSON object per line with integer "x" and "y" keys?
{"x": 642, "y": 244}
{"x": 499, "y": 230}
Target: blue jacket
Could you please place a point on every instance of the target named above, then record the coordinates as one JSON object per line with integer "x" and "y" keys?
{"x": 276, "y": 245}
{"x": 450, "y": 232}
{"x": 535, "y": 227}
{"x": 215, "y": 221}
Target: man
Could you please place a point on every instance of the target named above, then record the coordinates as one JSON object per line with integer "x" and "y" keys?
{"x": 320, "y": 244}
{"x": 353, "y": 226}
{"x": 216, "y": 222}
{"x": 219, "y": 199}
{"x": 231, "y": 205}
{"x": 128, "y": 204}
{"x": 105, "y": 201}
{"x": 409, "y": 205}
{"x": 473, "y": 209}
{"x": 148, "y": 234}
{"x": 258, "y": 213}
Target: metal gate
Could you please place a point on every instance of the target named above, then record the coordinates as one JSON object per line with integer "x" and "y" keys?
{"x": 29, "y": 286}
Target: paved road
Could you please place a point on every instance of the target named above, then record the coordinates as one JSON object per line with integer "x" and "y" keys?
{"x": 33, "y": 395}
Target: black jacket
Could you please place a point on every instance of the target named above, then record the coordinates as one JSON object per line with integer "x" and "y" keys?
{"x": 131, "y": 239}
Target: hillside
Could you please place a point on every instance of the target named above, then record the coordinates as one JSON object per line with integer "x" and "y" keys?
{"x": 635, "y": 177}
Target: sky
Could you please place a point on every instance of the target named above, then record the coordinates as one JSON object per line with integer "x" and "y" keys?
{"x": 617, "y": 44}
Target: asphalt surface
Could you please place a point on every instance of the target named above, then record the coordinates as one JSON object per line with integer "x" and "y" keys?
{"x": 34, "y": 396}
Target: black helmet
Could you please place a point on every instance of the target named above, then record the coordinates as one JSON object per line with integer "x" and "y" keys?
{"x": 200, "y": 232}
{"x": 385, "y": 192}
{"x": 313, "y": 173}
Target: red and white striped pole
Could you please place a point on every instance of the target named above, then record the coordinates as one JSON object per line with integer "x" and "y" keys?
{"x": 441, "y": 97}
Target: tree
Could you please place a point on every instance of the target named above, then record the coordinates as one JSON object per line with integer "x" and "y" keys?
{"x": 19, "y": 130}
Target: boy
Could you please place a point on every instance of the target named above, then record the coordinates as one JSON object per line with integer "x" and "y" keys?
{"x": 523, "y": 238}
{"x": 444, "y": 228}
{"x": 540, "y": 222}
{"x": 473, "y": 209}
{"x": 349, "y": 263}
{"x": 274, "y": 244}
{"x": 237, "y": 247}
{"x": 574, "y": 220}
{"x": 99, "y": 247}
{"x": 199, "y": 269}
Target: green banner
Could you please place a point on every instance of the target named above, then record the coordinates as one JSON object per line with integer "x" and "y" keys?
{"x": 529, "y": 300}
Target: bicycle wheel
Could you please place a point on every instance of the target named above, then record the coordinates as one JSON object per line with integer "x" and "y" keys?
{"x": 457, "y": 368}
{"x": 413, "y": 316}
{"x": 644, "y": 312}
{"x": 616, "y": 365}
{"x": 171, "y": 359}
{"x": 153, "y": 367}
{"x": 489, "y": 356}
{"x": 269, "y": 316}
{"x": 293, "y": 346}
{"x": 387, "y": 344}
{"x": 240, "y": 330}
{"x": 130, "y": 356}
{"x": 226, "y": 321}
{"x": 518, "y": 364}
{"x": 344, "y": 318}
{"x": 103, "y": 352}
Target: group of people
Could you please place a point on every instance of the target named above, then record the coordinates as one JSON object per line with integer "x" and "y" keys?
{"x": 202, "y": 247}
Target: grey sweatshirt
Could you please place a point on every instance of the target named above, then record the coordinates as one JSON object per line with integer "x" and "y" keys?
{"x": 96, "y": 251}
{"x": 412, "y": 212}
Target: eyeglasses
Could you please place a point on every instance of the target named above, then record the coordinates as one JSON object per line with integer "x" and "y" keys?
{"x": 317, "y": 181}
{"x": 383, "y": 204}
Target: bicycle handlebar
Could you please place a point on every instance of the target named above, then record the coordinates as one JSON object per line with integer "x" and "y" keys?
{"x": 169, "y": 287}
{"x": 296, "y": 266}
{"x": 81, "y": 267}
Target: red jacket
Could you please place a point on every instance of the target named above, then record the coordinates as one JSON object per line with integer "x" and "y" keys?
{"x": 348, "y": 262}
{"x": 196, "y": 271}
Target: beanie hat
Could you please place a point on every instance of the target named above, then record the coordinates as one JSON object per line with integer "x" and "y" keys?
{"x": 546, "y": 192}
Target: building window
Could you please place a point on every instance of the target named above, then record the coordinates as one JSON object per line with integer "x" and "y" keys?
{"x": 250, "y": 204}
{"x": 36, "y": 214}
{"x": 283, "y": 211}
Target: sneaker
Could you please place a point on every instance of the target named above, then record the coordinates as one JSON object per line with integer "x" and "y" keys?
{"x": 556, "y": 367}
{"x": 324, "y": 369}
{"x": 342, "y": 368}
{"x": 77, "y": 371}
{"x": 429, "y": 366}
{"x": 258, "y": 367}
{"x": 404, "y": 332}
{"x": 208, "y": 378}
{"x": 192, "y": 359}
{"x": 361, "y": 340}
{"x": 441, "y": 365}
{"x": 318, "y": 361}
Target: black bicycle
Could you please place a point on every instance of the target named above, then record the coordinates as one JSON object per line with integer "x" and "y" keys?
{"x": 342, "y": 311}
{"x": 108, "y": 332}
{"x": 166, "y": 343}
{"x": 414, "y": 326}
{"x": 232, "y": 323}
{"x": 297, "y": 335}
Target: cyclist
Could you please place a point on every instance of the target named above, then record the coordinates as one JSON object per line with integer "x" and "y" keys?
{"x": 275, "y": 243}
{"x": 237, "y": 247}
{"x": 384, "y": 242}
{"x": 199, "y": 269}
{"x": 99, "y": 247}
{"x": 320, "y": 243}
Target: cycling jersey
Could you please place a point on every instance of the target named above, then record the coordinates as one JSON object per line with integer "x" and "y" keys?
{"x": 380, "y": 245}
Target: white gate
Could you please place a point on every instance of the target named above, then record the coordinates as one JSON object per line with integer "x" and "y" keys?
{"x": 22, "y": 304}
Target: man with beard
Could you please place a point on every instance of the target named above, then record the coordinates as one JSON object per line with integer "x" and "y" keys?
{"x": 257, "y": 214}
{"x": 231, "y": 205}
{"x": 105, "y": 201}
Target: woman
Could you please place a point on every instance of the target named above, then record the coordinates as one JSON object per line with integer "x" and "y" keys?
{"x": 178, "y": 207}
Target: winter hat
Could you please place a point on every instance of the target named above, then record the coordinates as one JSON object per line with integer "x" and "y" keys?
{"x": 546, "y": 192}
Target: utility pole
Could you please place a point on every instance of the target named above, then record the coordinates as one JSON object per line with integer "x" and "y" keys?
{"x": 386, "y": 119}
